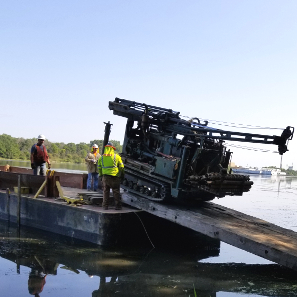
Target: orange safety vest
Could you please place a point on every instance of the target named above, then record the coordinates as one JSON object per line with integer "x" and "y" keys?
{"x": 40, "y": 155}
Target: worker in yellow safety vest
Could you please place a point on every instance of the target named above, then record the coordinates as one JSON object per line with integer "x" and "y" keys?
{"x": 111, "y": 170}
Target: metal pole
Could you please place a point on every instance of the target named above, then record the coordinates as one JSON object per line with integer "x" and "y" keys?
{"x": 8, "y": 205}
{"x": 281, "y": 161}
{"x": 19, "y": 202}
{"x": 106, "y": 135}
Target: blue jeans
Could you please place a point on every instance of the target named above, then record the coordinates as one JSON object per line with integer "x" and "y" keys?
{"x": 39, "y": 169}
{"x": 93, "y": 177}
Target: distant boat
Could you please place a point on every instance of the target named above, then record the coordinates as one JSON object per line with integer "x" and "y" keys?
{"x": 243, "y": 170}
{"x": 277, "y": 172}
{"x": 265, "y": 171}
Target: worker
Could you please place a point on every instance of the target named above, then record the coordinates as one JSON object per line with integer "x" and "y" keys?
{"x": 40, "y": 268}
{"x": 92, "y": 163}
{"x": 36, "y": 283}
{"x": 111, "y": 170}
{"x": 39, "y": 156}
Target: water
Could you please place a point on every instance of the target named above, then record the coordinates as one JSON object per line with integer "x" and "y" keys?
{"x": 73, "y": 268}
{"x": 272, "y": 198}
{"x": 65, "y": 167}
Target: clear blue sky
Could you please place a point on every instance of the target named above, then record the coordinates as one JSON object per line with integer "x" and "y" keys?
{"x": 62, "y": 61}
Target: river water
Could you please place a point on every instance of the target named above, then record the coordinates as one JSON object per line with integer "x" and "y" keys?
{"x": 49, "y": 265}
{"x": 65, "y": 167}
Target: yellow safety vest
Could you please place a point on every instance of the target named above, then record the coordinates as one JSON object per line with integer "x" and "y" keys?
{"x": 110, "y": 163}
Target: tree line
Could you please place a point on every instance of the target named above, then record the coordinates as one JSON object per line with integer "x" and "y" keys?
{"x": 20, "y": 149}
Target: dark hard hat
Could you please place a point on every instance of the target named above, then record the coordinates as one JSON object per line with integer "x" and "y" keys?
{"x": 110, "y": 144}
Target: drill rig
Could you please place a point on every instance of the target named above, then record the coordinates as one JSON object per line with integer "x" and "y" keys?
{"x": 168, "y": 157}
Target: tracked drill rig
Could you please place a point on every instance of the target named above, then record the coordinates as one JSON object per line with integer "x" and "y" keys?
{"x": 167, "y": 157}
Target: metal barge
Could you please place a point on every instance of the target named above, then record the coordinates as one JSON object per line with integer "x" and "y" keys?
{"x": 68, "y": 216}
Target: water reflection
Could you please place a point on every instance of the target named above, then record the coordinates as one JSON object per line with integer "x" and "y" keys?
{"x": 47, "y": 260}
{"x": 36, "y": 282}
{"x": 275, "y": 183}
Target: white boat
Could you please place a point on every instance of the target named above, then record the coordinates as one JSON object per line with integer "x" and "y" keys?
{"x": 277, "y": 171}
{"x": 243, "y": 170}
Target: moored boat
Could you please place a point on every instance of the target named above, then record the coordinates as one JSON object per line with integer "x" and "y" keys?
{"x": 277, "y": 171}
{"x": 244, "y": 170}
{"x": 265, "y": 171}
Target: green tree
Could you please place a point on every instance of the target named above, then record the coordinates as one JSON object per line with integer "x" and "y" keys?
{"x": 25, "y": 144}
{"x": 54, "y": 149}
{"x": 82, "y": 149}
{"x": 70, "y": 148}
{"x": 9, "y": 148}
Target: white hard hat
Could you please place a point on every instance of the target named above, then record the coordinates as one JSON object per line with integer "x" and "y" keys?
{"x": 41, "y": 137}
{"x": 95, "y": 145}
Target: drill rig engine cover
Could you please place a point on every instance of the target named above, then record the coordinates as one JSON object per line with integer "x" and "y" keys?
{"x": 167, "y": 157}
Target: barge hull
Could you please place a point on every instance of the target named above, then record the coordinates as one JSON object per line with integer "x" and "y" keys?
{"x": 86, "y": 222}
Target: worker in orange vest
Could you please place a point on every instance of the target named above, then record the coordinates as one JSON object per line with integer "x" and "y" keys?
{"x": 39, "y": 156}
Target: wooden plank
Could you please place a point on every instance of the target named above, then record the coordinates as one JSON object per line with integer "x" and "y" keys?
{"x": 69, "y": 200}
{"x": 40, "y": 189}
{"x": 85, "y": 196}
{"x": 235, "y": 228}
{"x": 60, "y": 189}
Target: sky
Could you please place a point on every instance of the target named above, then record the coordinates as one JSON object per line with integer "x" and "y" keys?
{"x": 61, "y": 62}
